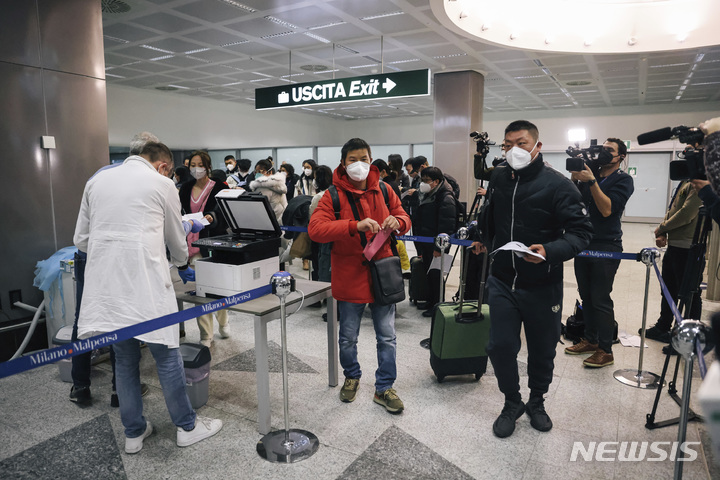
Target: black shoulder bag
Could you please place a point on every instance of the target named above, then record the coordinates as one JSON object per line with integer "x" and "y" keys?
{"x": 386, "y": 273}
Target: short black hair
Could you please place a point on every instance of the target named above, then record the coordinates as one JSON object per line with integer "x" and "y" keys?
{"x": 155, "y": 151}
{"x": 244, "y": 164}
{"x": 621, "y": 146}
{"x": 218, "y": 176}
{"x": 354, "y": 144}
{"x": 518, "y": 125}
{"x": 408, "y": 162}
{"x": 229, "y": 157}
{"x": 418, "y": 162}
{"x": 323, "y": 177}
{"x": 381, "y": 165}
{"x": 433, "y": 173}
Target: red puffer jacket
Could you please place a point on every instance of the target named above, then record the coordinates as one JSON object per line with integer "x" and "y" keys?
{"x": 350, "y": 271}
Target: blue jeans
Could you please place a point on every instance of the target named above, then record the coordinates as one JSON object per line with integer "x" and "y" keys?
{"x": 172, "y": 379}
{"x": 349, "y": 315}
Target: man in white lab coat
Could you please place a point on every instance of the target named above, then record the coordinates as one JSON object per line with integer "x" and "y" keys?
{"x": 128, "y": 216}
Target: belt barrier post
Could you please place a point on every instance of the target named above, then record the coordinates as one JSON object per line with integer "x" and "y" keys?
{"x": 639, "y": 378}
{"x": 290, "y": 445}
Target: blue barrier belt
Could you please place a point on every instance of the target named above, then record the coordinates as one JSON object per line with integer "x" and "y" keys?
{"x": 668, "y": 298}
{"x": 71, "y": 349}
{"x": 610, "y": 255}
{"x": 293, "y": 229}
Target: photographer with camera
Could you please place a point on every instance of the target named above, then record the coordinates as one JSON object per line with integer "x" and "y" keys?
{"x": 605, "y": 190}
{"x": 530, "y": 203}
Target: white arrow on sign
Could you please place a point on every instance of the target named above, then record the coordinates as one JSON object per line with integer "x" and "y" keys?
{"x": 388, "y": 85}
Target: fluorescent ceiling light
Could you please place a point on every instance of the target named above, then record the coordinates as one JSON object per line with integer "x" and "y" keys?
{"x": 382, "y": 15}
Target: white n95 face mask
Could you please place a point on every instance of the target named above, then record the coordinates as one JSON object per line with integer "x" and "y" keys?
{"x": 358, "y": 171}
{"x": 197, "y": 172}
{"x": 230, "y": 167}
{"x": 519, "y": 158}
{"x": 307, "y": 171}
{"x": 424, "y": 187}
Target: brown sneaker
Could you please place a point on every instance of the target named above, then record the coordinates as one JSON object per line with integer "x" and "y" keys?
{"x": 583, "y": 347}
{"x": 599, "y": 359}
{"x": 349, "y": 389}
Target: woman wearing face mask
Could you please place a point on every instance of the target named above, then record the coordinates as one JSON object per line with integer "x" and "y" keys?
{"x": 272, "y": 186}
{"x": 305, "y": 185}
{"x": 196, "y": 196}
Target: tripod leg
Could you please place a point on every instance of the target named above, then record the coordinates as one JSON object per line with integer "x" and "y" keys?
{"x": 650, "y": 417}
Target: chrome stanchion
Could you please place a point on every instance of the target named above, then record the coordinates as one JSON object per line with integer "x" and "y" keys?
{"x": 442, "y": 241}
{"x": 290, "y": 445}
{"x": 639, "y": 378}
{"x": 684, "y": 338}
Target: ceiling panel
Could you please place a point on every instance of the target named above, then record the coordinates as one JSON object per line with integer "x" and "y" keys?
{"x": 248, "y": 51}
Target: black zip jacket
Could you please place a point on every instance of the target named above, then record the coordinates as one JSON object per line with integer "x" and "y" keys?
{"x": 435, "y": 213}
{"x": 536, "y": 204}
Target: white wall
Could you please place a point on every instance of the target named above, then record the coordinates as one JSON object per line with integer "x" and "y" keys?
{"x": 185, "y": 122}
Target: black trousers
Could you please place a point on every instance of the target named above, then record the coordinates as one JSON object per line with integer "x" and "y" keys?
{"x": 433, "y": 276}
{"x": 673, "y": 270}
{"x": 595, "y": 277}
{"x": 82, "y": 364}
{"x": 538, "y": 310}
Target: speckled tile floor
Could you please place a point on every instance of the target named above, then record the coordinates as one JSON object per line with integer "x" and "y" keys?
{"x": 445, "y": 431}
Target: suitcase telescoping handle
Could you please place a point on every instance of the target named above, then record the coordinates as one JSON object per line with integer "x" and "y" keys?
{"x": 468, "y": 316}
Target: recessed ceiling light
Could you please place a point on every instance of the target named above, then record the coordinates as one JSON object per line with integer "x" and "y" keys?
{"x": 313, "y": 68}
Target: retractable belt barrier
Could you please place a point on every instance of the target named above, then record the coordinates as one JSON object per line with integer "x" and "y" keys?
{"x": 77, "y": 347}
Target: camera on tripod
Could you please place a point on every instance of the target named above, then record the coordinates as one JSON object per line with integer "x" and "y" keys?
{"x": 482, "y": 147}
{"x": 690, "y": 166}
{"x": 579, "y": 157}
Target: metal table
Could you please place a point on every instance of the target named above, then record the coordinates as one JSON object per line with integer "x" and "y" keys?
{"x": 264, "y": 310}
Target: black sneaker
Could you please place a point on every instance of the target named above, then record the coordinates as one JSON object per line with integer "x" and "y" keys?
{"x": 658, "y": 334}
{"x": 80, "y": 395}
{"x": 504, "y": 426}
{"x": 539, "y": 419}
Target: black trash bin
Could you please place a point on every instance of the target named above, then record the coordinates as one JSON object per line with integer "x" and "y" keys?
{"x": 196, "y": 360}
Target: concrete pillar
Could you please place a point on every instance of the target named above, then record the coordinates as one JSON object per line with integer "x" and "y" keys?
{"x": 52, "y": 83}
{"x": 458, "y": 111}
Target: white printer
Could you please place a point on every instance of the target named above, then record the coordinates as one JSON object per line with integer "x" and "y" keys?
{"x": 246, "y": 258}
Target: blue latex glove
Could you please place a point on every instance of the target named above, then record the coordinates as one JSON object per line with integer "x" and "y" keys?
{"x": 196, "y": 226}
{"x": 187, "y": 275}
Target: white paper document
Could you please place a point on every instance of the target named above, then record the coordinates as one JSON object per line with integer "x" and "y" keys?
{"x": 519, "y": 249}
{"x": 196, "y": 216}
{"x": 435, "y": 264}
{"x": 629, "y": 340}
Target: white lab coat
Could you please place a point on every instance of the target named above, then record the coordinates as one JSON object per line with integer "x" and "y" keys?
{"x": 127, "y": 216}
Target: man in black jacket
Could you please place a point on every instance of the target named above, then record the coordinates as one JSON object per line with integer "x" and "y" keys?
{"x": 434, "y": 214}
{"x": 605, "y": 189}
{"x": 534, "y": 205}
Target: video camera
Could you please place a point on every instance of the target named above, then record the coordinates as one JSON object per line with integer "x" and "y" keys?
{"x": 691, "y": 165}
{"x": 579, "y": 157}
{"x": 482, "y": 147}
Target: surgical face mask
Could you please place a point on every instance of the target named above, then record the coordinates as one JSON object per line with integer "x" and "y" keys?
{"x": 358, "y": 171}
{"x": 230, "y": 167}
{"x": 259, "y": 175}
{"x": 519, "y": 158}
{"x": 425, "y": 187}
{"x": 308, "y": 172}
{"x": 198, "y": 172}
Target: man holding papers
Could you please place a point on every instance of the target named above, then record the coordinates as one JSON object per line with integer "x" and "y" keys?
{"x": 533, "y": 204}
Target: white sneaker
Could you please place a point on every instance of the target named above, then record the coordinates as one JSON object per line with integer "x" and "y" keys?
{"x": 134, "y": 445}
{"x": 204, "y": 427}
{"x": 224, "y": 331}
{"x": 208, "y": 343}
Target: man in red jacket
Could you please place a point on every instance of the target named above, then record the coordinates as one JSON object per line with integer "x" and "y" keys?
{"x": 355, "y": 178}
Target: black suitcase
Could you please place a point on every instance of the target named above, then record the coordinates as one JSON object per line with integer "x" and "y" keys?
{"x": 459, "y": 333}
{"x": 417, "y": 292}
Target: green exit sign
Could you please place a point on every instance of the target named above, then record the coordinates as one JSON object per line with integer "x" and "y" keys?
{"x": 351, "y": 89}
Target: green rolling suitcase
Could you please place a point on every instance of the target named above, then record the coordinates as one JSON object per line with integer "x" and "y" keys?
{"x": 458, "y": 342}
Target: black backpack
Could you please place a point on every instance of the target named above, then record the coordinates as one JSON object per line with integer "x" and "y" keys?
{"x": 297, "y": 213}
